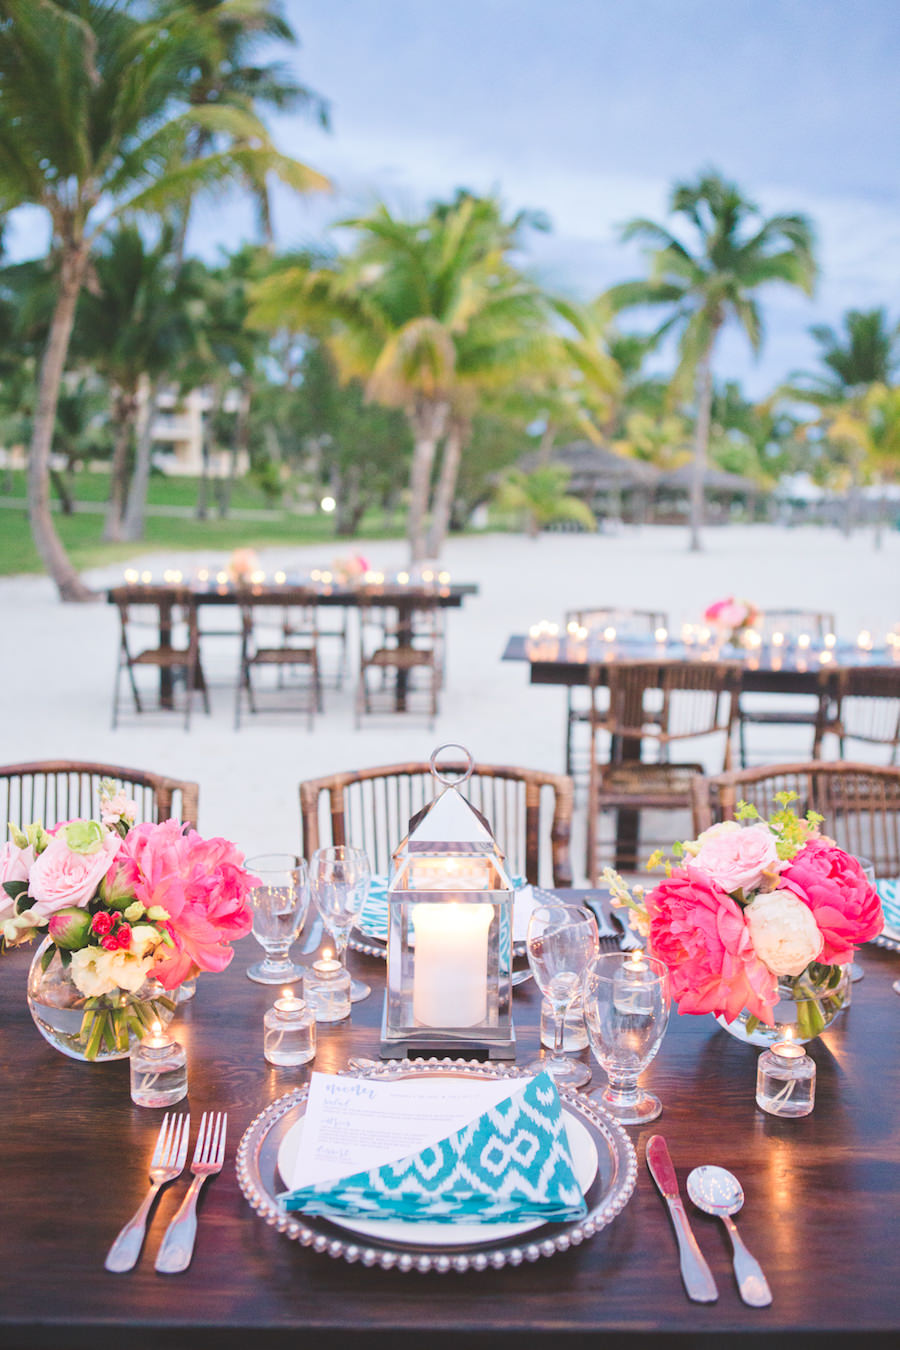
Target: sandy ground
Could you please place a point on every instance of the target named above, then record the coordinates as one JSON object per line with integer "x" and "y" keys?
{"x": 58, "y": 673}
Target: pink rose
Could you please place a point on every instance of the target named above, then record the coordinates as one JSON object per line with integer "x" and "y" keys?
{"x": 62, "y": 877}
{"x": 846, "y": 907}
{"x": 15, "y": 862}
{"x": 737, "y": 859}
{"x": 701, "y": 935}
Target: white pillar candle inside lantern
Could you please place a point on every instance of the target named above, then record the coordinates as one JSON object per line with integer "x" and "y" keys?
{"x": 451, "y": 972}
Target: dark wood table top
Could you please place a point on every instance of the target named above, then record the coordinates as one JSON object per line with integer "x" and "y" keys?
{"x": 448, "y": 596}
{"x": 820, "y": 1214}
{"x": 765, "y": 671}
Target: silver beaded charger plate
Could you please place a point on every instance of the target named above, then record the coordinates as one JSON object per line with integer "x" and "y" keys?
{"x": 606, "y": 1196}
{"x": 889, "y": 938}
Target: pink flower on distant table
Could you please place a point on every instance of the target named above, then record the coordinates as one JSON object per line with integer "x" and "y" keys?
{"x": 737, "y": 859}
{"x": 61, "y": 877}
{"x": 701, "y": 935}
{"x": 846, "y": 907}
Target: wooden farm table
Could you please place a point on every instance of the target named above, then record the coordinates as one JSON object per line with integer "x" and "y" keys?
{"x": 822, "y": 1197}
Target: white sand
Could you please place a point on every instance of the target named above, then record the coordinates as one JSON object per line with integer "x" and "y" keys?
{"x": 60, "y": 660}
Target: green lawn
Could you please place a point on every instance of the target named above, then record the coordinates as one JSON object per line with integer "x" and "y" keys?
{"x": 81, "y": 533}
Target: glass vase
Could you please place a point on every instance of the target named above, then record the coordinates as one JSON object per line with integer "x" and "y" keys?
{"x": 807, "y": 1004}
{"x": 91, "y": 1029}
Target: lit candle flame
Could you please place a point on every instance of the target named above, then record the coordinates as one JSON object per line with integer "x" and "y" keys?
{"x": 661, "y": 634}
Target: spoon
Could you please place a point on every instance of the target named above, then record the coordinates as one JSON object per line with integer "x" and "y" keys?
{"x": 717, "y": 1192}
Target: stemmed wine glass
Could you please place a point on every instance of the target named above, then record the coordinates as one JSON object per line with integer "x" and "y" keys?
{"x": 561, "y": 941}
{"x": 279, "y": 905}
{"x": 339, "y": 879}
{"x": 626, "y": 1009}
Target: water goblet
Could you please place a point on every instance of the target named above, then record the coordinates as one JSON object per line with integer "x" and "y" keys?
{"x": 626, "y": 1009}
{"x": 562, "y": 939}
{"x": 339, "y": 879}
{"x": 279, "y": 904}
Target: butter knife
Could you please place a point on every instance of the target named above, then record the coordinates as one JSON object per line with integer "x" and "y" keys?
{"x": 696, "y": 1274}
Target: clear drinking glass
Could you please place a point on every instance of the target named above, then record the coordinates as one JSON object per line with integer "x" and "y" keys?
{"x": 562, "y": 940}
{"x": 339, "y": 879}
{"x": 279, "y": 905}
{"x": 626, "y": 1009}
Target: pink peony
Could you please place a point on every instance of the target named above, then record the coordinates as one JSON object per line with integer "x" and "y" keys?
{"x": 701, "y": 935}
{"x": 61, "y": 877}
{"x": 737, "y": 859}
{"x": 202, "y": 885}
{"x": 846, "y": 907}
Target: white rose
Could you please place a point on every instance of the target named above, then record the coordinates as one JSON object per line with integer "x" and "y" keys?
{"x": 90, "y": 971}
{"x": 694, "y": 846}
{"x": 784, "y": 932}
{"x": 129, "y": 971}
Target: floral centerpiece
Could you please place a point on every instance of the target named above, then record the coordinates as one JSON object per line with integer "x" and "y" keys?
{"x": 128, "y": 913}
{"x": 732, "y": 616}
{"x": 755, "y": 914}
{"x": 350, "y": 568}
{"x": 242, "y": 565}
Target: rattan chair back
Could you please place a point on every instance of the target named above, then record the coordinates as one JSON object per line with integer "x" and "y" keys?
{"x": 54, "y": 790}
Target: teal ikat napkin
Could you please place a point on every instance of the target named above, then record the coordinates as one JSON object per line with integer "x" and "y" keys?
{"x": 889, "y": 895}
{"x": 510, "y": 1165}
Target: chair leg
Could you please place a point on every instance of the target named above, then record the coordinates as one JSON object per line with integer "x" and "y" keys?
{"x": 742, "y": 741}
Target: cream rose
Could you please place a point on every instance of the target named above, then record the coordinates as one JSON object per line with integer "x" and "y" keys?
{"x": 784, "y": 932}
{"x": 96, "y": 971}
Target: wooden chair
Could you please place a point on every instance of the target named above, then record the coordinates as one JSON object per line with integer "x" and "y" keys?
{"x": 296, "y": 626}
{"x": 159, "y": 607}
{"x": 791, "y": 624}
{"x": 399, "y": 645}
{"x": 597, "y": 618}
{"x": 58, "y": 789}
{"x": 860, "y": 803}
{"x": 335, "y": 629}
{"x": 529, "y": 811}
{"x": 861, "y": 703}
{"x": 663, "y": 702}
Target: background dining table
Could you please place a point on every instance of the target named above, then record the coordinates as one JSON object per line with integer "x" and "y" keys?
{"x": 822, "y": 1200}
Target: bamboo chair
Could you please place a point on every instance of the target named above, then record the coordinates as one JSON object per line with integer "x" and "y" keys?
{"x": 660, "y": 702}
{"x": 791, "y": 624}
{"x": 529, "y": 811}
{"x": 861, "y": 703}
{"x": 596, "y": 618}
{"x": 299, "y": 647}
{"x": 170, "y": 605}
{"x": 58, "y": 789}
{"x": 392, "y": 649}
{"x": 860, "y": 803}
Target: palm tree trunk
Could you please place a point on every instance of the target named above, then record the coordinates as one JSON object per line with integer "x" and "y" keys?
{"x": 133, "y": 519}
{"x": 125, "y": 413}
{"x": 427, "y": 420}
{"x": 445, "y": 492}
{"x": 701, "y": 444}
{"x": 46, "y": 540}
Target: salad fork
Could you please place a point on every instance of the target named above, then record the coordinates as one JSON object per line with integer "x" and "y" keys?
{"x": 166, "y": 1164}
{"x": 177, "y": 1246}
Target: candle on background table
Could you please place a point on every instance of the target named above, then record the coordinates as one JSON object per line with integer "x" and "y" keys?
{"x": 450, "y": 977}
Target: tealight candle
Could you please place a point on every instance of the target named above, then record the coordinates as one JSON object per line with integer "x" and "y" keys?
{"x": 444, "y": 578}
{"x": 131, "y": 576}
{"x": 826, "y": 657}
{"x": 328, "y": 989}
{"x": 146, "y": 578}
{"x": 403, "y": 578}
{"x": 803, "y": 641}
{"x": 786, "y": 1080}
{"x": 830, "y": 640}
{"x": 280, "y": 578}
{"x": 778, "y": 639}
{"x": 609, "y": 634}
{"x": 661, "y": 635}
{"x": 158, "y": 1069}
{"x": 289, "y": 1031}
{"x": 864, "y": 640}
{"x": 427, "y": 575}
{"x": 632, "y": 996}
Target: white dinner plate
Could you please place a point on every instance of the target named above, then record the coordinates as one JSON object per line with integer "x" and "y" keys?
{"x": 584, "y": 1162}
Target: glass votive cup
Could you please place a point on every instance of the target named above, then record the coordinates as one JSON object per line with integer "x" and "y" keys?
{"x": 289, "y": 1031}
{"x": 158, "y": 1070}
{"x": 327, "y": 989}
{"x": 575, "y": 1035}
{"x": 786, "y": 1080}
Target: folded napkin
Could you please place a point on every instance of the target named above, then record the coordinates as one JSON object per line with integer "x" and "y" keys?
{"x": 889, "y": 895}
{"x": 510, "y": 1165}
{"x": 373, "y": 918}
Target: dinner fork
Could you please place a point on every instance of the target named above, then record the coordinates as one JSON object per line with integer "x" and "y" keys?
{"x": 166, "y": 1164}
{"x": 177, "y": 1246}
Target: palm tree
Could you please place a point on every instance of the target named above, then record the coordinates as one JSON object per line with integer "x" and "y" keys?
{"x": 712, "y": 280}
{"x": 867, "y": 352}
{"x": 94, "y": 124}
{"x": 425, "y": 313}
{"x": 542, "y": 498}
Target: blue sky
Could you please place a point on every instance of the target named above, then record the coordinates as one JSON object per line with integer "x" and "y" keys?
{"x": 590, "y": 108}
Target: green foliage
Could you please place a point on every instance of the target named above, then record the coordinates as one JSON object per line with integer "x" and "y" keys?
{"x": 541, "y": 497}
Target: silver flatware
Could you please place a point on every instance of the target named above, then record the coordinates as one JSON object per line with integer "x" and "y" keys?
{"x": 167, "y": 1162}
{"x": 716, "y": 1191}
{"x": 177, "y": 1246}
{"x": 696, "y": 1274}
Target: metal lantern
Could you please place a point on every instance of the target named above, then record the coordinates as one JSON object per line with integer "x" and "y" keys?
{"x": 449, "y": 952}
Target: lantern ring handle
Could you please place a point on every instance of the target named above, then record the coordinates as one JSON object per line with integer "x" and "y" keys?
{"x": 455, "y": 781}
